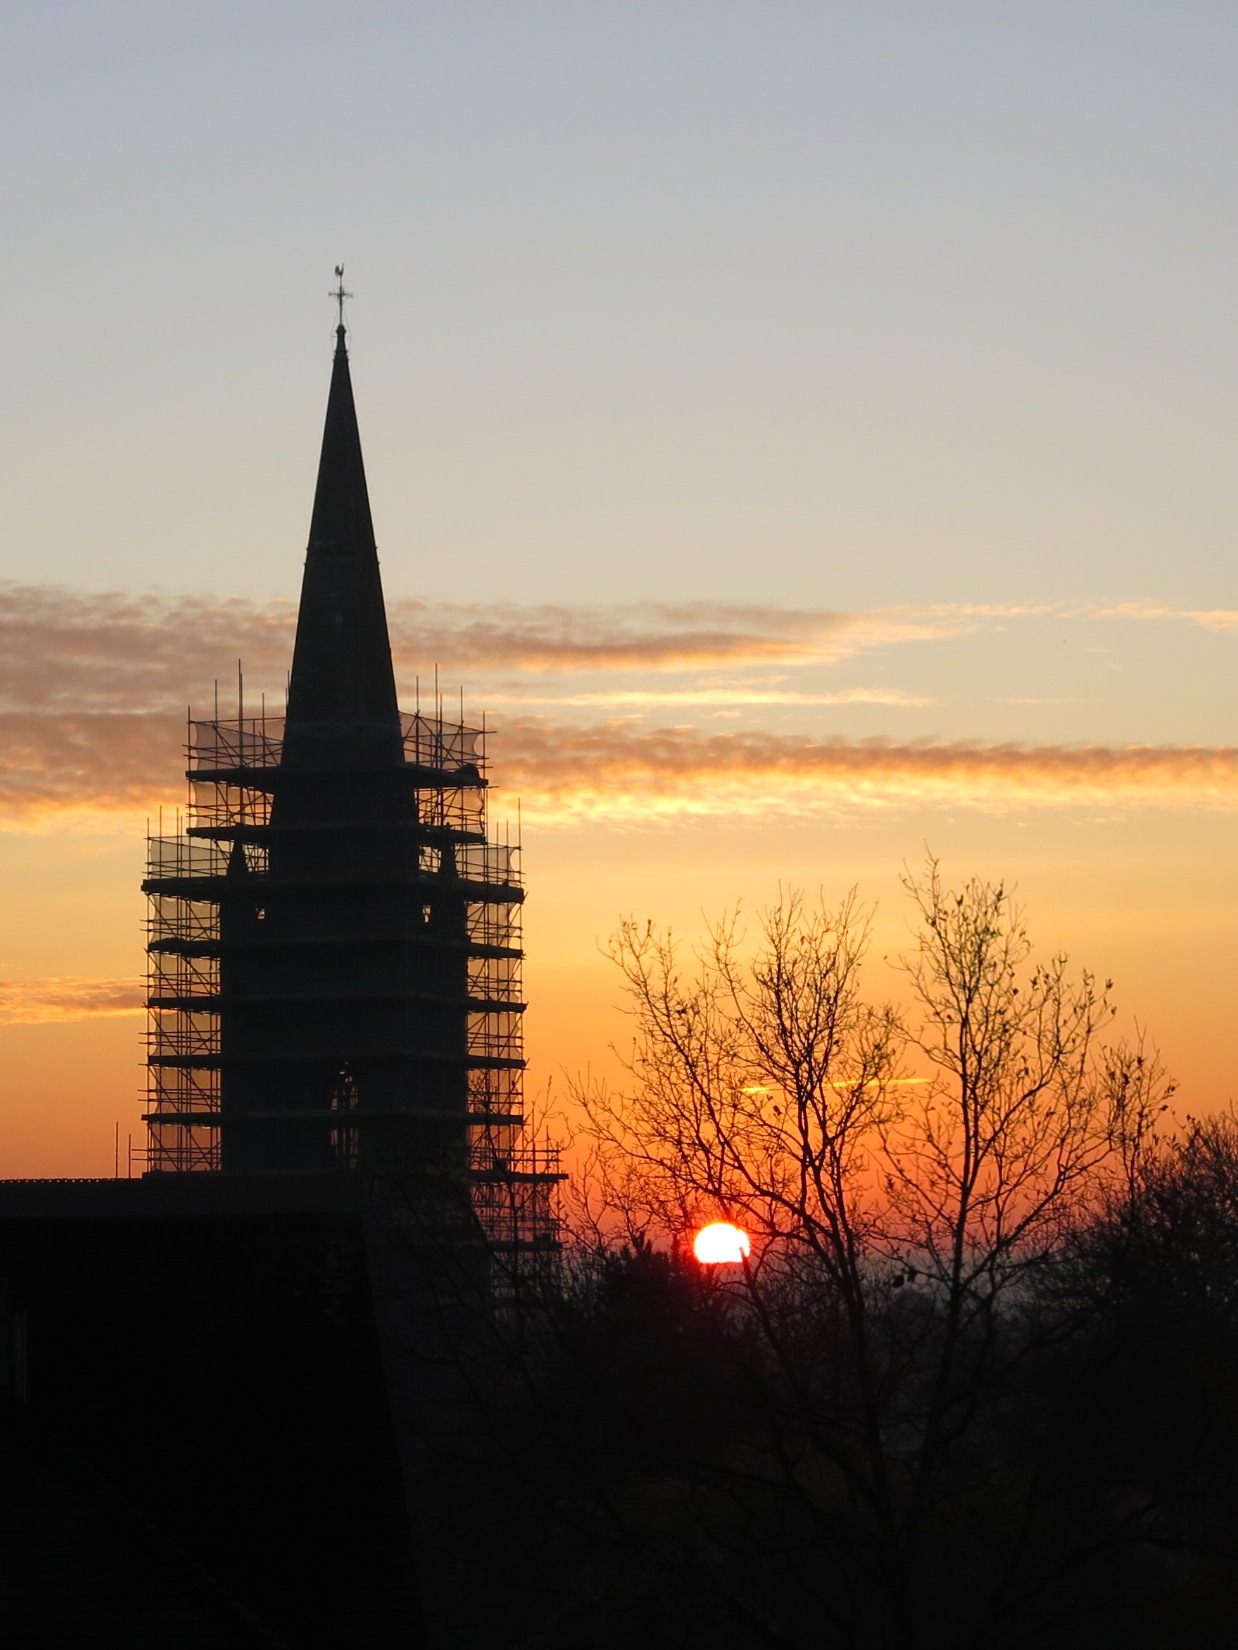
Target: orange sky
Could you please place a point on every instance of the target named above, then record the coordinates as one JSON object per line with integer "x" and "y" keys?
{"x": 806, "y": 431}
{"x": 1131, "y": 888}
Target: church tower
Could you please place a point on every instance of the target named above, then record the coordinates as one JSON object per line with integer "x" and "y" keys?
{"x": 334, "y": 939}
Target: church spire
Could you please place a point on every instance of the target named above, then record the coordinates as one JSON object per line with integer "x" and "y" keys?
{"x": 341, "y": 665}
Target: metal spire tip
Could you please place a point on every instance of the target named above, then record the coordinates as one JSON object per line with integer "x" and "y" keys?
{"x": 339, "y": 294}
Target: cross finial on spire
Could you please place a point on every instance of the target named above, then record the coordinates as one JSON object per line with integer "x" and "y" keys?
{"x": 339, "y": 294}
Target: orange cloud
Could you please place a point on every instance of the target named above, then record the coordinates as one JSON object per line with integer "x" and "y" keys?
{"x": 63, "y": 650}
{"x": 60, "y": 648}
{"x": 611, "y": 769}
{"x": 92, "y": 689}
{"x": 614, "y": 771}
{"x": 108, "y": 760}
{"x": 740, "y": 694}
{"x": 67, "y": 997}
{"x": 640, "y": 637}
{"x": 1214, "y": 618}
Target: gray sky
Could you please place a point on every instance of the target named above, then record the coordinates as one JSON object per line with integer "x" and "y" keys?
{"x": 826, "y": 305}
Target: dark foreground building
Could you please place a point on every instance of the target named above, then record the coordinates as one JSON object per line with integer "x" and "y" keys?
{"x": 254, "y": 1345}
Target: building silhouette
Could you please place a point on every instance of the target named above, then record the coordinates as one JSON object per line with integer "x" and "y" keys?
{"x": 335, "y": 940}
{"x": 255, "y": 1341}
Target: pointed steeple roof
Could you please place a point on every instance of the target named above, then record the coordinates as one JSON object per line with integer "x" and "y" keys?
{"x": 341, "y": 663}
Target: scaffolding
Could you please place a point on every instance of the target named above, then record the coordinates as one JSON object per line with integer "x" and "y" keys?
{"x": 235, "y": 770}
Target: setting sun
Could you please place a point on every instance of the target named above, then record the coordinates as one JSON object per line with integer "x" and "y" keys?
{"x": 719, "y": 1243}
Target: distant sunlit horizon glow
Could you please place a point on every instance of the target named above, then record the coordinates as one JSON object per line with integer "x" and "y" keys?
{"x": 720, "y": 1243}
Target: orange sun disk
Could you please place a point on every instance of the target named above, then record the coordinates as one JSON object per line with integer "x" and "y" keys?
{"x": 720, "y": 1243}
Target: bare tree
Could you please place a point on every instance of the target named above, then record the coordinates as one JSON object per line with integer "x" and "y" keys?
{"x": 906, "y": 1179}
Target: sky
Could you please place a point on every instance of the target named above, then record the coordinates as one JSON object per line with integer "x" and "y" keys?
{"x": 804, "y": 430}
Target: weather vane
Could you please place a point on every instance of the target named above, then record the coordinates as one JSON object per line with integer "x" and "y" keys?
{"x": 339, "y": 294}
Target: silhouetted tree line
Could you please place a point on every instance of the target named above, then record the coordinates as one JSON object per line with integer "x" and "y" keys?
{"x": 977, "y": 1384}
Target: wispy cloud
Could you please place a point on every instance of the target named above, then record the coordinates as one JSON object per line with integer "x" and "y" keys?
{"x": 1146, "y": 610}
{"x": 105, "y": 761}
{"x": 92, "y": 690}
{"x": 643, "y": 637}
{"x": 71, "y": 650}
{"x": 622, "y": 771}
{"x": 1211, "y": 618}
{"x": 67, "y": 997}
{"x": 113, "y": 651}
{"x": 642, "y": 698}
{"x": 615, "y": 771}
{"x": 61, "y": 650}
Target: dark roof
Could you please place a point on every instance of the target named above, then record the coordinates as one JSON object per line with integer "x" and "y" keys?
{"x": 161, "y": 1196}
{"x": 81, "y": 1568}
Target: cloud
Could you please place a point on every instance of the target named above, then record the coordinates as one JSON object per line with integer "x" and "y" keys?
{"x": 109, "y": 651}
{"x": 642, "y": 637}
{"x": 1213, "y": 618}
{"x": 615, "y": 771}
{"x": 92, "y": 688}
{"x": 67, "y": 997}
{"x": 107, "y": 761}
{"x": 64, "y": 651}
{"x": 1143, "y": 610}
{"x": 70, "y": 651}
{"x": 639, "y": 698}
